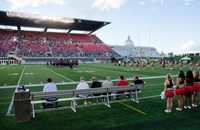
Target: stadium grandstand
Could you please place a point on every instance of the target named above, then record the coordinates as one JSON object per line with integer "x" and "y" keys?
{"x": 42, "y": 46}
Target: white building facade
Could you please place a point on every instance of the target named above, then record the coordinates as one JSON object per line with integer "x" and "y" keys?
{"x": 129, "y": 50}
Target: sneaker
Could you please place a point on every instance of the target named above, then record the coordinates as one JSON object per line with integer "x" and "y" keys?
{"x": 185, "y": 107}
{"x": 189, "y": 107}
{"x": 167, "y": 111}
{"x": 85, "y": 103}
{"x": 194, "y": 105}
{"x": 178, "y": 109}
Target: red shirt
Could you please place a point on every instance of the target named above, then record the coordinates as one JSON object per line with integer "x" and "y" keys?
{"x": 122, "y": 83}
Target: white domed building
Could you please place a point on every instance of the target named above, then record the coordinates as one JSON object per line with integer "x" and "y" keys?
{"x": 129, "y": 50}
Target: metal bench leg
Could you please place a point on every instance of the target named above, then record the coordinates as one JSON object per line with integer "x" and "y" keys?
{"x": 73, "y": 106}
{"x": 108, "y": 101}
{"x": 136, "y": 97}
{"x": 33, "y": 109}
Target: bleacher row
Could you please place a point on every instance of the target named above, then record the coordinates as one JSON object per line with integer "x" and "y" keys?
{"x": 40, "y": 44}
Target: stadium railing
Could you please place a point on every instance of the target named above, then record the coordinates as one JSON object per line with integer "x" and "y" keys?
{"x": 72, "y": 96}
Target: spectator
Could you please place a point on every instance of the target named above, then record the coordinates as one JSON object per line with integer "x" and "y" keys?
{"x": 169, "y": 92}
{"x": 180, "y": 84}
{"x": 49, "y": 87}
{"x": 107, "y": 83}
{"x": 122, "y": 82}
{"x": 95, "y": 84}
{"x": 136, "y": 80}
{"x": 83, "y": 85}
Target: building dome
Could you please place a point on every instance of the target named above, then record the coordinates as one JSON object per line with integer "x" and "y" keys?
{"x": 129, "y": 42}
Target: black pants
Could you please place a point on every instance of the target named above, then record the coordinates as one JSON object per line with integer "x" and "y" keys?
{"x": 50, "y": 105}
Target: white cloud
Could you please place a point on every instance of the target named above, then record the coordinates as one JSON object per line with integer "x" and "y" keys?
{"x": 142, "y": 2}
{"x": 189, "y": 46}
{"x": 161, "y": 2}
{"x": 188, "y": 2}
{"x": 106, "y": 5}
{"x": 154, "y": 9}
{"x": 33, "y": 3}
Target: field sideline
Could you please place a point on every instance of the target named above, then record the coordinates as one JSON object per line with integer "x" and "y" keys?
{"x": 120, "y": 116}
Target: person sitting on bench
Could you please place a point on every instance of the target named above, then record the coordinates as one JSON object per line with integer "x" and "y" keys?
{"x": 49, "y": 87}
{"x": 136, "y": 80}
{"x": 83, "y": 85}
{"x": 121, "y": 83}
{"x": 96, "y": 84}
{"x": 107, "y": 83}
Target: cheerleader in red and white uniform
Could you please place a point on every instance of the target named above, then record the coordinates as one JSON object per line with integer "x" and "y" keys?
{"x": 181, "y": 66}
{"x": 189, "y": 89}
{"x": 163, "y": 64}
{"x": 180, "y": 84}
{"x": 169, "y": 92}
{"x": 152, "y": 65}
{"x": 190, "y": 65}
{"x": 137, "y": 66}
{"x": 131, "y": 65}
{"x": 143, "y": 66}
{"x": 196, "y": 87}
{"x": 198, "y": 65}
{"x": 171, "y": 66}
{"x": 125, "y": 65}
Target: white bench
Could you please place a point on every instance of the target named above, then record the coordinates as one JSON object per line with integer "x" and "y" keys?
{"x": 72, "y": 96}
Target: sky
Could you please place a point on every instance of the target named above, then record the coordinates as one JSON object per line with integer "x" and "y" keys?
{"x": 167, "y": 25}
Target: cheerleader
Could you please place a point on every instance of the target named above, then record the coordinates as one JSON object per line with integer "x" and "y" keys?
{"x": 196, "y": 87}
{"x": 169, "y": 93}
{"x": 188, "y": 89}
{"x": 124, "y": 65}
{"x": 190, "y": 65}
{"x": 181, "y": 66}
{"x": 131, "y": 65}
{"x": 143, "y": 66}
{"x": 171, "y": 66}
{"x": 180, "y": 84}
{"x": 137, "y": 66}
{"x": 163, "y": 64}
{"x": 152, "y": 65}
{"x": 198, "y": 65}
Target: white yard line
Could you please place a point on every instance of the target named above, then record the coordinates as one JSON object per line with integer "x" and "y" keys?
{"x": 94, "y": 74}
{"x": 58, "y": 74}
{"x": 71, "y": 83}
{"x": 11, "y": 102}
{"x": 153, "y": 96}
{"x": 3, "y": 67}
{"x": 3, "y": 103}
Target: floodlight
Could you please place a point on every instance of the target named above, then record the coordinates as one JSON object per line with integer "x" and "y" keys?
{"x": 43, "y": 18}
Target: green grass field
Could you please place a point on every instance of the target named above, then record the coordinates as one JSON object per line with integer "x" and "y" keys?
{"x": 119, "y": 116}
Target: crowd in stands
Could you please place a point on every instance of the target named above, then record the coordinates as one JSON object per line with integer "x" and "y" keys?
{"x": 41, "y": 44}
{"x": 7, "y": 41}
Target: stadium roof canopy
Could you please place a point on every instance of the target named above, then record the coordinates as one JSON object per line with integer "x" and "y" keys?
{"x": 38, "y": 21}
